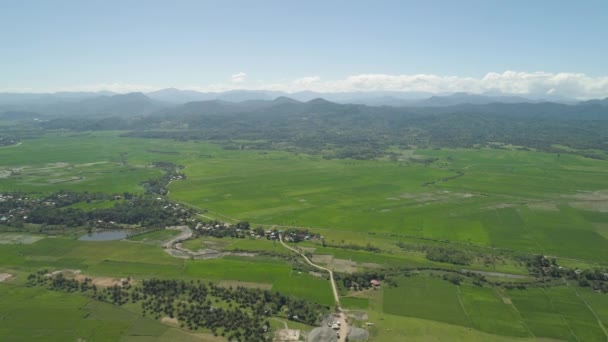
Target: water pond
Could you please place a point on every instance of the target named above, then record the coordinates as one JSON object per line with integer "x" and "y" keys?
{"x": 106, "y": 235}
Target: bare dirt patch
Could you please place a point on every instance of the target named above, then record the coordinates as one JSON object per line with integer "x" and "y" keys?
{"x": 5, "y": 276}
{"x": 287, "y": 335}
{"x": 499, "y": 206}
{"x": 343, "y": 265}
{"x": 507, "y": 300}
{"x": 358, "y": 315}
{"x": 322, "y": 258}
{"x": 64, "y": 271}
{"x": 322, "y": 334}
{"x": 316, "y": 274}
{"x": 169, "y": 321}
{"x": 310, "y": 250}
{"x": 546, "y": 206}
{"x": 589, "y": 200}
{"x": 249, "y": 285}
{"x": 98, "y": 281}
{"x": 601, "y": 206}
{"x": 434, "y": 196}
{"x": 9, "y": 239}
{"x": 358, "y": 334}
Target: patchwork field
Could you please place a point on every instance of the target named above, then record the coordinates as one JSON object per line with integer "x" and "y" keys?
{"x": 556, "y": 312}
{"x": 522, "y": 200}
{"x": 498, "y": 203}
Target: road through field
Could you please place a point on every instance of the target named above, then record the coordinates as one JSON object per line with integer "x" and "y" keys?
{"x": 185, "y": 235}
{"x": 343, "y": 323}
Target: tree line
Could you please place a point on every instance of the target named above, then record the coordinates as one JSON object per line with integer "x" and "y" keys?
{"x": 240, "y": 314}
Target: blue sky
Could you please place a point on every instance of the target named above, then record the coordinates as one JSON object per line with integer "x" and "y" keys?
{"x": 292, "y": 45}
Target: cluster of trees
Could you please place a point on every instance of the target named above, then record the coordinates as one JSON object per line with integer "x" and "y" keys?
{"x": 240, "y": 314}
{"x": 159, "y": 185}
{"x": 220, "y": 229}
{"x": 139, "y": 210}
{"x": 544, "y": 267}
{"x": 362, "y": 280}
{"x": 54, "y": 209}
{"x": 8, "y": 140}
{"x": 298, "y": 235}
{"x": 448, "y": 255}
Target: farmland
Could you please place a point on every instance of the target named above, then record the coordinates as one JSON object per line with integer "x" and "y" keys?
{"x": 497, "y": 206}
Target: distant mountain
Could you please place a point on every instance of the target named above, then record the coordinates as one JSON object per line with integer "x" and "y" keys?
{"x": 173, "y": 95}
{"x": 465, "y": 98}
{"x": 603, "y": 102}
{"x": 24, "y": 99}
{"x": 56, "y": 103}
{"x": 20, "y": 115}
{"x": 132, "y": 104}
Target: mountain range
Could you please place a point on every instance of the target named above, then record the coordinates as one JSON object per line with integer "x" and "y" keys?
{"x": 187, "y": 101}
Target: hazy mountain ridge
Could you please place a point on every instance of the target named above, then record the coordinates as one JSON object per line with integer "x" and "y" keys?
{"x": 173, "y": 96}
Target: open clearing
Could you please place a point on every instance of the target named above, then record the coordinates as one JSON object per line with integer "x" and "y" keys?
{"x": 5, "y": 276}
{"x": 11, "y": 238}
{"x": 249, "y": 285}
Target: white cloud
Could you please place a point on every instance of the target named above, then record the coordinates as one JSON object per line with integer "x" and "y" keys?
{"x": 509, "y": 82}
{"x": 239, "y": 77}
{"x": 573, "y": 85}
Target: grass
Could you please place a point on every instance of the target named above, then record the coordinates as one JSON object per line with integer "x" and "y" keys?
{"x": 354, "y": 303}
{"x": 490, "y": 313}
{"x": 487, "y": 205}
{"x": 515, "y": 200}
{"x": 30, "y": 314}
{"x": 155, "y": 237}
{"x": 428, "y": 298}
{"x": 557, "y": 313}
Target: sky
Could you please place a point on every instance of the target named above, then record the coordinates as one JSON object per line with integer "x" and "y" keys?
{"x": 495, "y": 46}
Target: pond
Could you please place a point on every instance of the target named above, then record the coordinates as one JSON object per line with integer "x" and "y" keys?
{"x": 106, "y": 235}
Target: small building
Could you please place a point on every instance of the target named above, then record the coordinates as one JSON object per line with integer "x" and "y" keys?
{"x": 375, "y": 283}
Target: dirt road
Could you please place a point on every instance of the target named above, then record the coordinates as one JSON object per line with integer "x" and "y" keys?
{"x": 185, "y": 235}
{"x": 343, "y": 322}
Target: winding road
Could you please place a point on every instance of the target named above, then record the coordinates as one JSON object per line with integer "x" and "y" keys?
{"x": 343, "y": 322}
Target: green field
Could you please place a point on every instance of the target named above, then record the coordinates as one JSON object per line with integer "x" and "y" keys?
{"x": 521, "y": 202}
{"x": 555, "y": 312}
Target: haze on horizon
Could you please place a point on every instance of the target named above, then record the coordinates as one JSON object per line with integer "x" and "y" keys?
{"x": 540, "y": 48}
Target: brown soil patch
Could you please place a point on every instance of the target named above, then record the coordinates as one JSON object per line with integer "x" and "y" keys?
{"x": 97, "y": 281}
{"x": 601, "y": 206}
{"x": 287, "y": 335}
{"x": 308, "y": 249}
{"x": 343, "y": 265}
{"x": 499, "y": 206}
{"x": 316, "y": 274}
{"x": 5, "y": 276}
{"x": 589, "y": 200}
{"x": 546, "y": 206}
{"x": 507, "y": 300}
{"x": 322, "y": 258}
{"x": 169, "y": 321}
{"x": 249, "y": 285}
{"x": 357, "y": 315}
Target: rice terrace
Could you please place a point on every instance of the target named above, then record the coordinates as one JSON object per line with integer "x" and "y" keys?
{"x": 243, "y": 171}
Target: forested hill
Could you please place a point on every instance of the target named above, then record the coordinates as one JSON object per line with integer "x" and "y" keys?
{"x": 360, "y": 131}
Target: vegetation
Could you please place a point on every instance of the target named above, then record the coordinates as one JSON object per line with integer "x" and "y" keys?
{"x": 55, "y": 210}
{"x": 482, "y": 227}
{"x": 240, "y": 314}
